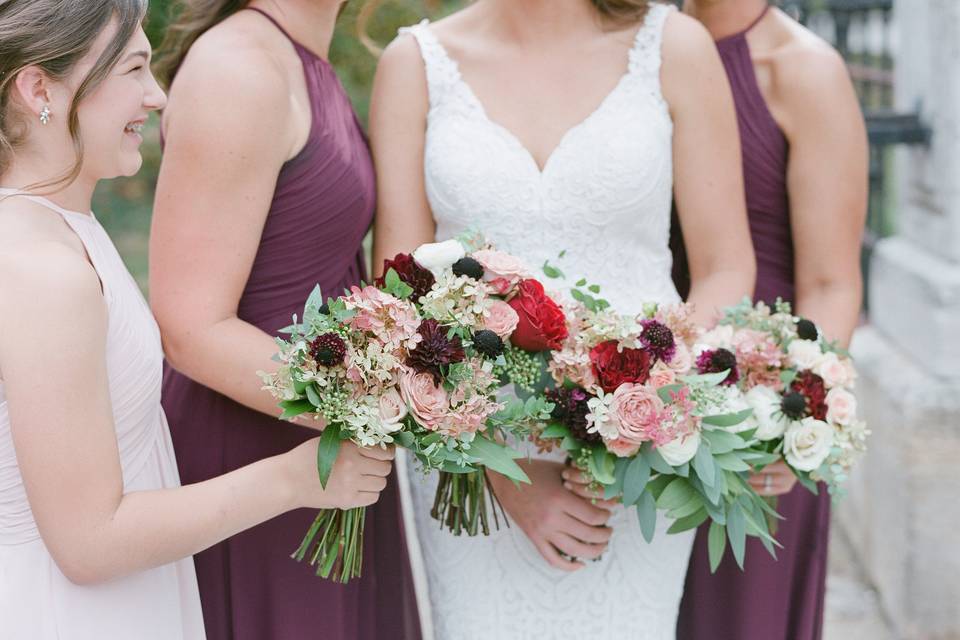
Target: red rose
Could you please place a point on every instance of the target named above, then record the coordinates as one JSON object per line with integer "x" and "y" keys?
{"x": 613, "y": 367}
{"x": 410, "y": 273}
{"x": 542, "y": 325}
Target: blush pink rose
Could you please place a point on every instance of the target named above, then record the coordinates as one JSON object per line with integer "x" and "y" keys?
{"x": 502, "y": 270}
{"x": 638, "y": 409}
{"x": 428, "y": 402}
{"x": 393, "y": 408}
{"x": 833, "y": 371}
{"x": 682, "y": 360}
{"x": 841, "y": 406}
{"x": 502, "y": 319}
{"x": 622, "y": 448}
{"x": 662, "y": 377}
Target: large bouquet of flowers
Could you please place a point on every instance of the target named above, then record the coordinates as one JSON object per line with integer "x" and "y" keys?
{"x": 630, "y": 414}
{"x": 799, "y": 385}
{"x": 410, "y": 360}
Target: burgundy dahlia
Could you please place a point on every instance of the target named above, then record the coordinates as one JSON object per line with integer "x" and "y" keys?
{"x": 812, "y": 388}
{"x": 717, "y": 360}
{"x": 328, "y": 349}
{"x": 570, "y": 409}
{"x": 411, "y": 273}
{"x": 435, "y": 350}
{"x": 657, "y": 339}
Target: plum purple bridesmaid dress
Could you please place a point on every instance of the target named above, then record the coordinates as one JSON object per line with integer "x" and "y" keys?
{"x": 250, "y": 588}
{"x": 773, "y": 599}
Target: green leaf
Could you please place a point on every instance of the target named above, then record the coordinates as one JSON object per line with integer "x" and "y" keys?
{"x": 677, "y": 494}
{"x": 647, "y": 514}
{"x": 787, "y": 377}
{"x": 581, "y": 282}
{"x": 808, "y": 484}
{"x": 635, "y": 480}
{"x": 667, "y": 392}
{"x": 393, "y": 285}
{"x": 691, "y": 521}
{"x": 327, "y": 452}
{"x": 692, "y": 506}
{"x": 731, "y": 462}
{"x": 704, "y": 466}
{"x": 737, "y": 532}
{"x": 570, "y": 444}
{"x": 710, "y": 379}
{"x": 313, "y": 395}
{"x": 498, "y": 458}
{"x": 723, "y": 441}
{"x": 728, "y": 419}
{"x": 555, "y": 430}
{"x": 594, "y": 288}
{"x": 602, "y": 464}
{"x": 658, "y": 484}
{"x": 293, "y": 408}
{"x": 656, "y": 461}
{"x": 550, "y": 271}
{"x": 716, "y": 544}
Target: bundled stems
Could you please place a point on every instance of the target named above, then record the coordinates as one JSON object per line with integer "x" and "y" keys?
{"x": 339, "y": 551}
{"x": 461, "y": 503}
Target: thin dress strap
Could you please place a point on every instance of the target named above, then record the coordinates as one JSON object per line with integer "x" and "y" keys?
{"x": 443, "y": 75}
{"x": 275, "y": 23}
{"x": 645, "y": 55}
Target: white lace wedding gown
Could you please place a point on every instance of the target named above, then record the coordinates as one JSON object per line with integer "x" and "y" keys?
{"x": 604, "y": 198}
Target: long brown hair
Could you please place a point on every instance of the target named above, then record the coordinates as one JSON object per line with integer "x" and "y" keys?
{"x": 191, "y": 19}
{"x": 55, "y": 35}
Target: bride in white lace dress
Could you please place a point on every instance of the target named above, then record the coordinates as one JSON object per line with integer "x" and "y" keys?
{"x": 562, "y": 126}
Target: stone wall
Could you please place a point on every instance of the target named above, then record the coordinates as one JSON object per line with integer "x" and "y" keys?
{"x": 903, "y": 508}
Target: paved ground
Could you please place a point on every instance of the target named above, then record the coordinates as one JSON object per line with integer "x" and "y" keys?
{"x": 852, "y": 611}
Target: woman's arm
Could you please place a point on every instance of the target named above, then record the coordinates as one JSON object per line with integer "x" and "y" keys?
{"x": 53, "y": 349}
{"x": 398, "y": 124}
{"x": 827, "y": 181}
{"x": 708, "y": 178}
{"x": 228, "y": 134}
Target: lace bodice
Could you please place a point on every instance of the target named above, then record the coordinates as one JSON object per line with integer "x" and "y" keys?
{"x": 603, "y": 196}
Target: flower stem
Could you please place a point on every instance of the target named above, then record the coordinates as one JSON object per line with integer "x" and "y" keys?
{"x": 339, "y": 553}
{"x": 461, "y": 503}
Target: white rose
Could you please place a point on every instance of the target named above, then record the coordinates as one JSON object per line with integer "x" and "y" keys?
{"x": 805, "y": 354}
{"x": 833, "y": 371}
{"x": 680, "y": 450}
{"x": 807, "y": 443}
{"x": 438, "y": 256}
{"x": 841, "y": 406}
{"x": 720, "y": 337}
{"x": 765, "y": 402}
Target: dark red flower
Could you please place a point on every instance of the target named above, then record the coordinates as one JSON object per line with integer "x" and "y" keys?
{"x": 657, "y": 338}
{"x": 542, "y": 325}
{"x": 570, "y": 409}
{"x": 328, "y": 349}
{"x": 717, "y": 360}
{"x": 811, "y": 387}
{"x": 435, "y": 350}
{"x": 613, "y": 367}
{"x": 410, "y": 272}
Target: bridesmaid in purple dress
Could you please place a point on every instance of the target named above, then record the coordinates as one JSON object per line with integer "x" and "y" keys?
{"x": 805, "y": 173}
{"x": 266, "y": 189}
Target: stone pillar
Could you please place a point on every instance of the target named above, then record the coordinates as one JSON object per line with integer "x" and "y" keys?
{"x": 903, "y": 511}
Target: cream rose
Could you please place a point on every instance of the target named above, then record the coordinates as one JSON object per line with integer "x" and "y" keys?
{"x": 720, "y": 337}
{"x": 804, "y": 354}
{"x": 428, "y": 402}
{"x": 680, "y": 450}
{"x": 682, "y": 359}
{"x": 502, "y": 319}
{"x": 438, "y": 256}
{"x": 662, "y": 377}
{"x": 635, "y": 406}
{"x": 393, "y": 409}
{"x": 841, "y": 406}
{"x": 833, "y": 371}
{"x": 807, "y": 443}
{"x": 767, "y": 417}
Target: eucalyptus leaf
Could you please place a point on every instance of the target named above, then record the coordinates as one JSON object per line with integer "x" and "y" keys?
{"x": 636, "y": 476}
{"x": 294, "y": 408}
{"x": 704, "y": 466}
{"x": 656, "y": 461}
{"x": 647, "y": 515}
{"x": 677, "y": 494}
{"x": 327, "y": 452}
{"x": 691, "y": 521}
{"x": 731, "y": 462}
{"x": 728, "y": 419}
{"x": 716, "y": 544}
{"x": 737, "y": 532}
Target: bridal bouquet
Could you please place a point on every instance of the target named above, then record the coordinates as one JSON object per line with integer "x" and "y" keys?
{"x": 631, "y": 415}
{"x": 377, "y": 368}
{"x": 798, "y": 385}
{"x": 488, "y": 303}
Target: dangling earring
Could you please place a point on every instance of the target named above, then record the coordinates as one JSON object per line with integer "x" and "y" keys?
{"x": 45, "y": 115}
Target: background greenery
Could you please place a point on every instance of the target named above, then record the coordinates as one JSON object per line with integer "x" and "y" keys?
{"x": 124, "y": 205}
